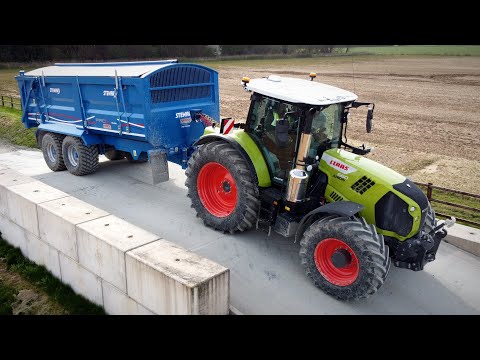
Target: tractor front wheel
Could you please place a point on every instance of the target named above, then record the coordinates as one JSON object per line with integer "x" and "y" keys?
{"x": 223, "y": 190}
{"x": 345, "y": 257}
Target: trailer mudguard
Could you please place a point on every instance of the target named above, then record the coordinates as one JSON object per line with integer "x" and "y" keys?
{"x": 88, "y": 139}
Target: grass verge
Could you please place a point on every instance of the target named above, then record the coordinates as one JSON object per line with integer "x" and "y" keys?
{"x": 13, "y": 130}
{"x": 40, "y": 279}
{"x": 7, "y": 298}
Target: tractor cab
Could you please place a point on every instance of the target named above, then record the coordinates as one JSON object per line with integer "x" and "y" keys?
{"x": 282, "y": 109}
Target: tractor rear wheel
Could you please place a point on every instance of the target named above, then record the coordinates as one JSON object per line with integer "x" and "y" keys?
{"x": 345, "y": 257}
{"x": 114, "y": 155}
{"x": 223, "y": 190}
{"x": 79, "y": 158}
{"x": 52, "y": 151}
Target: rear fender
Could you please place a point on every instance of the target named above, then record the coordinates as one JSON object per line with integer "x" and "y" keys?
{"x": 247, "y": 149}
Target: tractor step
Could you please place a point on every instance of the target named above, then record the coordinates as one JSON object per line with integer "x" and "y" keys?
{"x": 286, "y": 224}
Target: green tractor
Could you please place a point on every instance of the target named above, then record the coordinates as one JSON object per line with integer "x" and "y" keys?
{"x": 289, "y": 168}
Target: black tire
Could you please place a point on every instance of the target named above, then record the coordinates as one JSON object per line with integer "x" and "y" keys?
{"x": 367, "y": 245}
{"x": 114, "y": 155}
{"x": 86, "y": 161}
{"x": 131, "y": 160}
{"x": 52, "y": 151}
{"x": 247, "y": 206}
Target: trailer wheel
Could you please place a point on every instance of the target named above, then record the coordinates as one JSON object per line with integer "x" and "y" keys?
{"x": 345, "y": 257}
{"x": 222, "y": 188}
{"x": 52, "y": 151}
{"x": 114, "y": 155}
{"x": 79, "y": 159}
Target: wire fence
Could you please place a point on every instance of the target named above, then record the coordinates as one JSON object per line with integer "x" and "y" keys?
{"x": 11, "y": 102}
{"x": 429, "y": 187}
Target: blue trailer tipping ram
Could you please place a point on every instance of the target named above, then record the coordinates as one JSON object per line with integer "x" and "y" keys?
{"x": 145, "y": 111}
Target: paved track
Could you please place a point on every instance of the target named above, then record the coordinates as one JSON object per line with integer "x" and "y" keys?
{"x": 266, "y": 274}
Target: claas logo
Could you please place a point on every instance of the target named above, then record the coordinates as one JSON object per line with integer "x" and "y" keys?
{"x": 338, "y": 165}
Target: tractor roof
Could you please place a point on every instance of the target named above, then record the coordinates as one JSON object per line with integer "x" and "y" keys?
{"x": 299, "y": 90}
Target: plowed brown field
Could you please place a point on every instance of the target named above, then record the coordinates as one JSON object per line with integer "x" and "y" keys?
{"x": 427, "y": 109}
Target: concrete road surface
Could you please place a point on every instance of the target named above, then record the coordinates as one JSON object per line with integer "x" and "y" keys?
{"x": 266, "y": 274}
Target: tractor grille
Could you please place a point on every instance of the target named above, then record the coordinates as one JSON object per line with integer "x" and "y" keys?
{"x": 172, "y": 84}
{"x": 363, "y": 185}
{"x": 335, "y": 196}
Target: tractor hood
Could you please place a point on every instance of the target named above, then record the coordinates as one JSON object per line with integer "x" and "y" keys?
{"x": 392, "y": 202}
{"x": 346, "y": 162}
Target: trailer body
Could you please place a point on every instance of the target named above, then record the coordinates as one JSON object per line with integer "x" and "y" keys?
{"x": 136, "y": 107}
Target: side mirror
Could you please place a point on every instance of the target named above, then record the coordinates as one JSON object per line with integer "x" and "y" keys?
{"x": 281, "y": 133}
{"x": 369, "y": 123}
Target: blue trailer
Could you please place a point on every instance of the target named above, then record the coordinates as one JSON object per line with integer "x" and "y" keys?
{"x": 151, "y": 111}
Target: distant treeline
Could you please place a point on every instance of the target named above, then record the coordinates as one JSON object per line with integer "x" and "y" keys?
{"x": 39, "y": 53}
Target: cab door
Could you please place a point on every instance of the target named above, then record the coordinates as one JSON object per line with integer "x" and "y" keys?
{"x": 261, "y": 123}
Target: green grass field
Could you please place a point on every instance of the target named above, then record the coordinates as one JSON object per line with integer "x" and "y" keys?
{"x": 437, "y": 50}
{"x": 12, "y": 129}
{"x": 8, "y": 84}
{"x": 258, "y": 62}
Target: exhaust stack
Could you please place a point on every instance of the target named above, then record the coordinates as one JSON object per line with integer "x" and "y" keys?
{"x": 298, "y": 177}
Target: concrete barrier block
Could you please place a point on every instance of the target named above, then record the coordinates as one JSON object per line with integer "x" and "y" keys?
{"x": 465, "y": 238}
{"x": 14, "y": 234}
{"x": 22, "y": 203}
{"x": 81, "y": 280}
{"x": 43, "y": 254}
{"x": 116, "y": 302}
{"x": 102, "y": 244}
{"x": 9, "y": 177}
{"x": 58, "y": 218}
{"x": 168, "y": 280}
{"x": 30, "y": 245}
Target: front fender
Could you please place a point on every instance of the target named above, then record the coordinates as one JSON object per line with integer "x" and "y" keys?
{"x": 342, "y": 208}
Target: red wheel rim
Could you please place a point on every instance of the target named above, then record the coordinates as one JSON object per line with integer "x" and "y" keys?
{"x": 217, "y": 189}
{"x": 342, "y": 275}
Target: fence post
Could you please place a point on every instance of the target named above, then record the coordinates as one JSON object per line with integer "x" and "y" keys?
{"x": 3, "y": 103}
{"x": 429, "y": 191}
{"x": 11, "y": 102}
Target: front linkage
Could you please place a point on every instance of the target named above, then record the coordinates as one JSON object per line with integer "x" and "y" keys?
{"x": 417, "y": 251}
